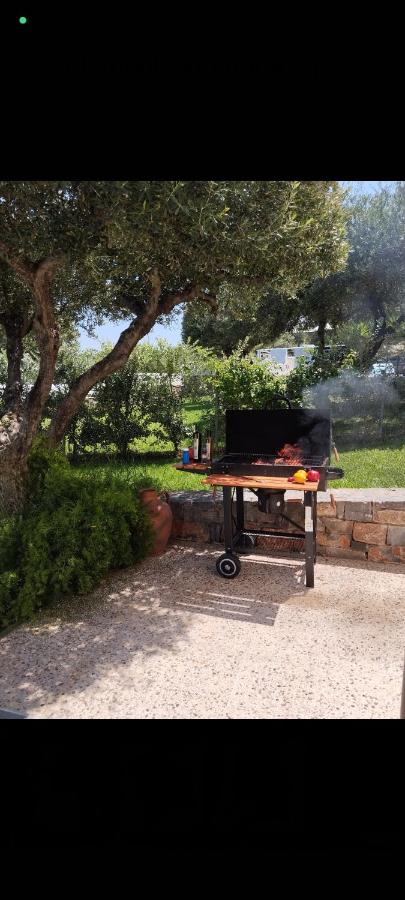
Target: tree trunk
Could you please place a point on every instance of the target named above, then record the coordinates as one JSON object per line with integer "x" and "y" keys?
{"x": 14, "y": 349}
{"x": 322, "y": 323}
{"x": 380, "y": 332}
{"x": 47, "y": 338}
{"x": 12, "y": 478}
{"x": 13, "y": 466}
{"x": 18, "y": 430}
{"x": 372, "y": 348}
{"x": 16, "y": 325}
{"x": 75, "y": 450}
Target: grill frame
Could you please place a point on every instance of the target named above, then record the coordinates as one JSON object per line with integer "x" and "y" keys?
{"x": 247, "y": 428}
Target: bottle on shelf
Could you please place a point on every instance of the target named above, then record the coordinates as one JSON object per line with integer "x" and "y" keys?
{"x": 208, "y": 448}
{"x": 197, "y": 445}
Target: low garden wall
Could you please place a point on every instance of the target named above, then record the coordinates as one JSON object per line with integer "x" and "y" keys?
{"x": 366, "y": 524}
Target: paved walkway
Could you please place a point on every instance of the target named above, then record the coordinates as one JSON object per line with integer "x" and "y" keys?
{"x": 171, "y": 639}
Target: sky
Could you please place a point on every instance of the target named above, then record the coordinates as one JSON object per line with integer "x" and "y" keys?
{"x": 111, "y": 332}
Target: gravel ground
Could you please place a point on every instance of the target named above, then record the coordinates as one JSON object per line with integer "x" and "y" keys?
{"x": 171, "y": 639}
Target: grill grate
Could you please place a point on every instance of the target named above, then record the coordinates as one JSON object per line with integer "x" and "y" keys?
{"x": 250, "y": 459}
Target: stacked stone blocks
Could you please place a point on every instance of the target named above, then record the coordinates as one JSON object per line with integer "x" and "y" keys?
{"x": 347, "y": 525}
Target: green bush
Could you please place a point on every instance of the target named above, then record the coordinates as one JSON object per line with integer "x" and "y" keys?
{"x": 244, "y": 382}
{"x": 71, "y": 531}
{"x": 239, "y": 382}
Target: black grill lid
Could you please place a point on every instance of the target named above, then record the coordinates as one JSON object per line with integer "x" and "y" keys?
{"x": 266, "y": 431}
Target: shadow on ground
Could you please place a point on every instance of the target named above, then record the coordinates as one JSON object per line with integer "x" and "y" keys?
{"x": 135, "y": 613}
{"x": 82, "y": 640}
{"x": 171, "y": 637}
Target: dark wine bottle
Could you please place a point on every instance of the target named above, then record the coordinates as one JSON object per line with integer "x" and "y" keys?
{"x": 197, "y": 445}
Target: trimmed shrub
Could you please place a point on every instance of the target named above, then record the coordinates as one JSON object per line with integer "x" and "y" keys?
{"x": 72, "y": 530}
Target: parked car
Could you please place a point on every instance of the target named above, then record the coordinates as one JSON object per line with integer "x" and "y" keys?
{"x": 285, "y": 357}
{"x": 382, "y": 368}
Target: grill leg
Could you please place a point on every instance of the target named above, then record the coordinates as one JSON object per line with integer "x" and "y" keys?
{"x": 240, "y": 515}
{"x": 228, "y": 539}
{"x": 309, "y": 538}
{"x": 315, "y": 519}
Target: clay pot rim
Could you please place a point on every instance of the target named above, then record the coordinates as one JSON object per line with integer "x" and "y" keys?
{"x": 148, "y": 491}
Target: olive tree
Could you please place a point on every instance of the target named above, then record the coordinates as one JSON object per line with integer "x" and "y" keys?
{"x": 78, "y": 251}
{"x": 365, "y": 303}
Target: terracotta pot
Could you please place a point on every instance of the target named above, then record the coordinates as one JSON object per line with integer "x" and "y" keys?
{"x": 161, "y": 518}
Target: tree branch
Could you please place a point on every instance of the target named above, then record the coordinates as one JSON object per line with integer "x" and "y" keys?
{"x": 28, "y": 324}
{"x": 155, "y": 306}
{"x": 19, "y": 264}
{"x": 112, "y": 362}
{"x": 193, "y": 292}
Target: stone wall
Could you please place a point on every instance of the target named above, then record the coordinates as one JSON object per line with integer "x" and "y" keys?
{"x": 356, "y": 524}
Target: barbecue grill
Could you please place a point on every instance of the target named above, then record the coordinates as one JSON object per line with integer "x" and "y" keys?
{"x": 256, "y": 438}
{"x": 263, "y": 449}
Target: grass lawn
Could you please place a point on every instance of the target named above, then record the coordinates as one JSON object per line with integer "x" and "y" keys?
{"x": 193, "y": 411}
{"x": 162, "y": 471}
{"x": 371, "y": 467}
{"x": 374, "y": 467}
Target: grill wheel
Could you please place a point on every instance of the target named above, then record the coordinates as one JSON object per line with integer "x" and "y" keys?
{"x": 228, "y": 565}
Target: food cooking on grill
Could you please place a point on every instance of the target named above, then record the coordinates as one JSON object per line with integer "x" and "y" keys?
{"x": 291, "y": 454}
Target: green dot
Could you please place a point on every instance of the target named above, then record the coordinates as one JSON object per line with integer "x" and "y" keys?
{"x": 22, "y": 20}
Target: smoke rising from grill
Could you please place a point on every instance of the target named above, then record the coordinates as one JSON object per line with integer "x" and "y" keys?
{"x": 352, "y": 395}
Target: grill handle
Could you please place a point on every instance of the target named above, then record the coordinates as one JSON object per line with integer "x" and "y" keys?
{"x": 285, "y": 398}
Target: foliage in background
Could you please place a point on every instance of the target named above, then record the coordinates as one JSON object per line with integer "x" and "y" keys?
{"x": 149, "y": 405}
{"x": 144, "y": 400}
{"x": 254, "y": 322}
{"x": 363, "y": 302}
{"x": 238, "y": 381}
{"x": 116, "y": 411}
{"x": 366, "y": 301}
{"x": 69, "y": 533}
{"x": 244, "y": 382}
{"x": 320, "y": 368}
{"x": 149, "y": 397}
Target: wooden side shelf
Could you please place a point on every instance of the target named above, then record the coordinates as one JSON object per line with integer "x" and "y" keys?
{"x": 198, "y": 468}
{"x": 260, "y": 481}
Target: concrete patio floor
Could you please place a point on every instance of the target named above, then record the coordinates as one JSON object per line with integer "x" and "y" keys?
{"x": 171, "y": 639}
